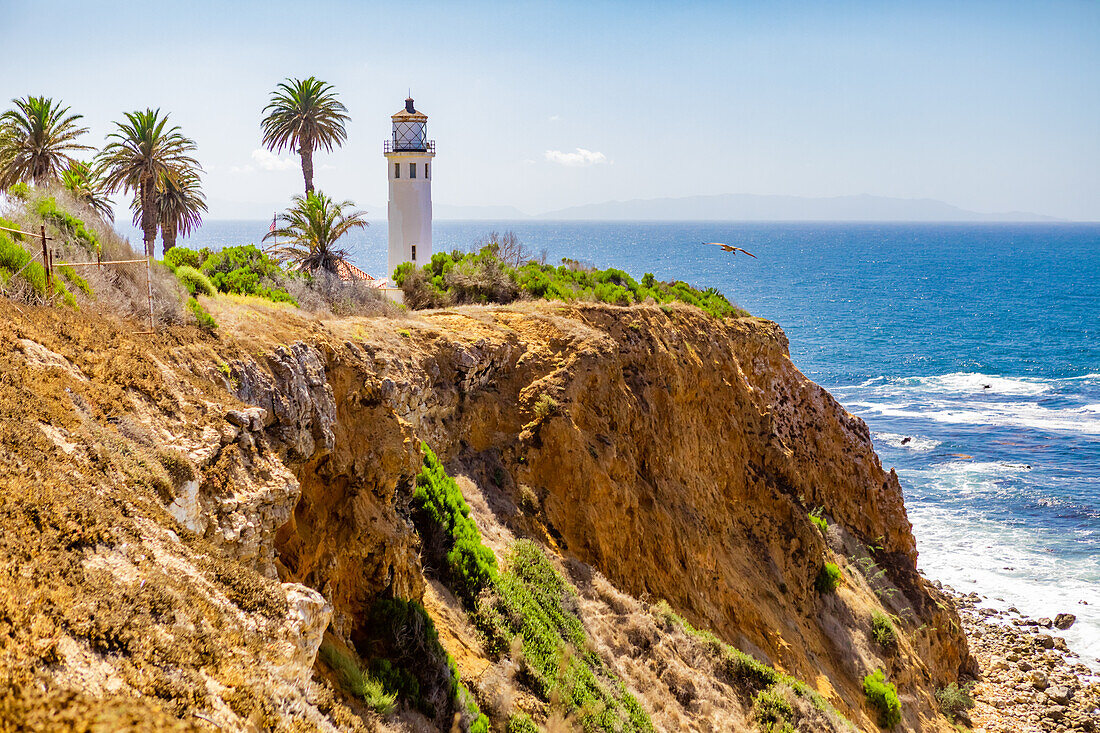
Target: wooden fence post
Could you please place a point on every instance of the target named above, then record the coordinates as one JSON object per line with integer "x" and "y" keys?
{"x": 46, "y": 262}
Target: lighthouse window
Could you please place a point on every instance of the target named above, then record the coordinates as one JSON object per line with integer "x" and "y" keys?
{"x": 412, "y": 170}
{"x": 426, "y": 170}
{"x": 396, "y": 170}
{"x": 414, "y": 253}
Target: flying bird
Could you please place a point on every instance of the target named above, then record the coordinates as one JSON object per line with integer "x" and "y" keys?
{"x": 729, "y": 248}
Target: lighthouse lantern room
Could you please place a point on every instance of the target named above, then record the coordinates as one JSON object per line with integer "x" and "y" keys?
{"x": 409, "y": 167}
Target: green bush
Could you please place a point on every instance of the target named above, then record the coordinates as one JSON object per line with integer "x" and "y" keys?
{"x": 954, "y": 699}
{"x": 521, "y": 723}
{"x": 204, "y": 320}
{"x": 545, "y": 406}
{"x": 177, "y": 256}
{"x": 356, "y": 681}
{"x": 20, "y": 191}
{"x": 440, "y": 507}
{"x": 882, "y": 631}
{"x": 817, "y": 516}
{"x": 772, "y": 712}
{"x": 531, "y": 601}
{"x": 828, "y": 578}
{"x": 454, "y": 278}
{"x": 195, "y": 282}
{"x": 47, "y": 208}
{"x": 883, "y": 697}
{"x": 80, "y": 283}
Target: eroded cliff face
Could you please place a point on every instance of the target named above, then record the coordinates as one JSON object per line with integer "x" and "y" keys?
{"x": 675, "y": 454}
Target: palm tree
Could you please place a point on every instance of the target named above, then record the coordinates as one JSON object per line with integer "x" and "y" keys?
{"x": 135, "y": 158}
{"x": 304, "y": 115}
{"x": 313, "y": 225}
{"x": 180, "y": 204}
{"x": 35, "y": 139}
{"x": 81, "y": 181}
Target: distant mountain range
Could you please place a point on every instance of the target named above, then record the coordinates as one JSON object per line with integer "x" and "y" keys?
{"x": 749, "y": 207}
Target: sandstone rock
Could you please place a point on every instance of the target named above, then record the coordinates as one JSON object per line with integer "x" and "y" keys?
{"x": 1045, "y": 641}
{"x": 1038, "y": 680}
{"x": 1045, "y": 623}
{"x": 1064, "y": 620}
{"x": 1059, "y": 694}
{"x": 308, "y": 614}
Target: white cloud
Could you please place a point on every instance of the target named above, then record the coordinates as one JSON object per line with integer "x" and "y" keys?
{"x": 579, "y": 159}
{"x": 241, "y": 169}
{"x": 555, "y": 118}
{"x": 271, "y": 162}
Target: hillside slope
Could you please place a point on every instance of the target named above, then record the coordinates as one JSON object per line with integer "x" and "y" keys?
{"x": 186, "y": 517}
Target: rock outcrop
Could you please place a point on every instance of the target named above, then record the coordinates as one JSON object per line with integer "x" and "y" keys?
{"x": 676, "y": 454}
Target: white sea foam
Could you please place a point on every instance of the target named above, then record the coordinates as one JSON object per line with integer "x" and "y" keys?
{"x": 972, "y": 383}
{"x": 1014, "y": 563}
{"x": 1005, "y": 414}
{"x": 916, "y": 443}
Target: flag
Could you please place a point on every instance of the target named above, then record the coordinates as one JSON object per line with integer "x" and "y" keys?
{"x": 272, "y": 228}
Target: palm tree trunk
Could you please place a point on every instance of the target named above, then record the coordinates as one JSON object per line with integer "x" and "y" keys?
{"x": 168, "y": 235}
{"x": 306, "y": 151}
{"x": 149, "y": 214}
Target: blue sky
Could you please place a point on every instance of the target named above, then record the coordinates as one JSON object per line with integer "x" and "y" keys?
{"x": 988, "y": 106}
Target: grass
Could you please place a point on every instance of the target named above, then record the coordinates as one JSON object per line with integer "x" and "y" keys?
{"x": 356, "y": 681}
{"x": 828, "y": 578}
{"x": 454, "y": 278}
{"x": 753, "y": 678}
{"x": 882, "y": 631}
{"x": 883, "y": 697}
{"x": 954, "y": 699}
{"x": 48, "y": 209}
{"x": 521, "y": 723}
{"x": 530, "y": 602}
{"x": 533, "y": 603}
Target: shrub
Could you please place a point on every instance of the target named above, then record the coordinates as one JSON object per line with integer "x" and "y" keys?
{"x": 532, "y": 602}
{"x": 882, "y": 631}
{"x": 883, "y": 697}
{"x": 486, "y": 276}
{"x": 544, "y": 407}
{"x": 954, "y": 699}
{"x": 195, "y": 282}
{"x": 828, "y": 578}
{"x": 440, "y": 505}
{"x": 772, "y": 712}
{"x": 356, "y": 681}
{"x": 203, "y": 320}
{"x": 521, "y": 723}
{"x": 177, "y": 256}
{"x": 48, "y": 209}
{"x": 817, "y": 516}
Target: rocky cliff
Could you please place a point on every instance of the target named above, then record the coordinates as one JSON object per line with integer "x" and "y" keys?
{"x": 185, "y": 517}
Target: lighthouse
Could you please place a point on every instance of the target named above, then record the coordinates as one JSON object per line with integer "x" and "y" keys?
{"x": 409, "y": 156}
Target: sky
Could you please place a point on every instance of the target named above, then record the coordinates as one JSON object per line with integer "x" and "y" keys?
{"x": 990, "y": 106}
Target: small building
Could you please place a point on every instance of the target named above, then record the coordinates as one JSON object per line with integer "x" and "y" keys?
{"x": 409, "y": 155}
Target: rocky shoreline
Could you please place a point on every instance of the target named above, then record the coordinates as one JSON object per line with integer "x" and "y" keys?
{"x": 1029, "y": 680}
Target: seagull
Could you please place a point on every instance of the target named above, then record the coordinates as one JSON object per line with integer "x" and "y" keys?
{"x": 728, "y": 248}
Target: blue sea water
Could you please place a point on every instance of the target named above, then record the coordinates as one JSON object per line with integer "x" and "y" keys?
{"x": 980, "y": 343}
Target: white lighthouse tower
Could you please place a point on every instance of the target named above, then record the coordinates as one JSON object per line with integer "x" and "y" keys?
{"x": 409, "y": 161}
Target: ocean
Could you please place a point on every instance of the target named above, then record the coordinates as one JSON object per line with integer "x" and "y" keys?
{"x": 971, "y": 350}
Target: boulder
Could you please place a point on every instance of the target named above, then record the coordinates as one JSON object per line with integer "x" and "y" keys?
{"x": 1064, "y": 620}
{"x": 1059, "y": 694}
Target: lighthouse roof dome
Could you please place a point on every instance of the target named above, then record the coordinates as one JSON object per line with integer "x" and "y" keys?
{"x": 409, "y": 112}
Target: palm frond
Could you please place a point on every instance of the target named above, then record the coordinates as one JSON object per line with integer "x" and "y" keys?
{"x": 36, "y": 138}
{"x": 311, "y": 228}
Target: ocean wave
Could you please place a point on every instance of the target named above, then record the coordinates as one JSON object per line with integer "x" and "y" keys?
{"x": 975, "y": 383}
{"x": 1081, "y": 420}
{"x": 915, "y": 442}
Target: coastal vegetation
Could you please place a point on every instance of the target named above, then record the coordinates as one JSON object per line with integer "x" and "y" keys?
{"x": 36, "y": 138}
{"x": 492, "y": 274}
{"x": 304, "y": 115}
{"x": 311, "y": 228}
{"x": 882, "y": 631}
{"x": 828, "y": 578}
{"x": 84, "y": 184}
{"x": 883, "y": 698}
{"x": 140, "y": 154}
